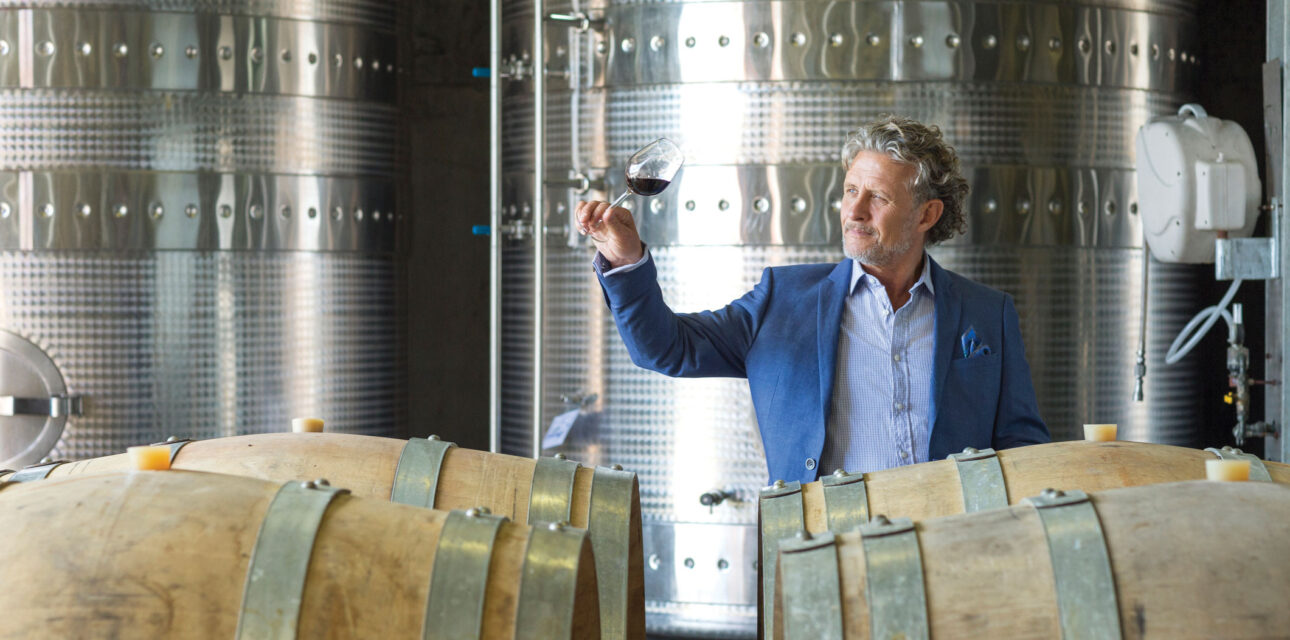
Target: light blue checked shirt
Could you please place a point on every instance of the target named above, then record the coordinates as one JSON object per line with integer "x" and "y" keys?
{"x": 883, "y": 383}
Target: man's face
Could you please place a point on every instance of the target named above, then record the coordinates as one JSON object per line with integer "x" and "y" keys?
{"x": 880, "y": 223}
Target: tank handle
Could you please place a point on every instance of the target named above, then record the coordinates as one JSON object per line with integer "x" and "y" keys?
{"x": 1194, "y": 109}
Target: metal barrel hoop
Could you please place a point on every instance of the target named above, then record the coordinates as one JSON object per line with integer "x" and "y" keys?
{"x": 551, "y": 493}
{"x": 416, "y": 478}
{"x": 175, "y": 445}
{"x": 1085, "y": 585}
{"x": 275, "y": 577}
{"x": 894, "y": 579}
{"x": 812, "y": 591}
{"x": 609, "y": 526}
{"x": 981, "y": 479}
{"x": 1258, "y": 471}
{"x": 780, "y": 513}
{"x": 455, "y": 605}
{"x": 549, "y": 582}
{"x": 38, "y": 471}
{"x": 846, "y": 500}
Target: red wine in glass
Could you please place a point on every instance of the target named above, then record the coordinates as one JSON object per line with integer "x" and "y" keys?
{"x": 651, "y": 169}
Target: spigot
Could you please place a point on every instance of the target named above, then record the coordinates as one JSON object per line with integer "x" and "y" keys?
{"x": 715, "y": 497}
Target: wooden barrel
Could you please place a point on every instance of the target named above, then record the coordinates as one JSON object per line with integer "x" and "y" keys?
{"x": 1182, "y": 560}
{"x": 974, "y": 481}
{"x": 436, "y": 474}
{"x": 180, "y": 554}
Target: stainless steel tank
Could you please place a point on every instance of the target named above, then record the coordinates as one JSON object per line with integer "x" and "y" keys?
{"x": 1042, "y": 100}
{"x": 197, "y": 221}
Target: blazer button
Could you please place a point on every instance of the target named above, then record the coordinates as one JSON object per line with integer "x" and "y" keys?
{"x": 810, "y": 464}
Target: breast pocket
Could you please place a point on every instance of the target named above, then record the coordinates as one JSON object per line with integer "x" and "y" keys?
{"x": 971, "y": 398}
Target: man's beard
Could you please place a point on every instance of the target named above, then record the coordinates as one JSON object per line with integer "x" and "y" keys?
{"x": 876, "y": 253}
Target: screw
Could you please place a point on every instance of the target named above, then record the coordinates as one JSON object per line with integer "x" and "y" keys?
{"x": 839, "y": 473}
{"x": 780, "y": 484}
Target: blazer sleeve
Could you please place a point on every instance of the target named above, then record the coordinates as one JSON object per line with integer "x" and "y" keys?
{"x": 1017, "y": 421}
{"x": 706, "y": 344}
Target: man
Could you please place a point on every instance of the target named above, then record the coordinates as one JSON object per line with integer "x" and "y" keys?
{"x": 882, "y": 360}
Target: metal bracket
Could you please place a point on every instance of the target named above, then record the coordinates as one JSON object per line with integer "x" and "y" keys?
{"x": 416, "y": 478}
{"x": 981, "y": 479}
{"x": 36, "y": 471}
{"x": 175, "y": 444}
{"x": 1246, "y": 259}
{"x": 1085, "y": 585}
{"x": 55, "y": 407}
{"x": 455, "y": 606}
{"x": 780, "y": 512}
{"x": 1258, "y": 471}
{"x": 579, "y": 20}
{"x": 812, "y": 590}
{"x": 609, "y": 523}
{"x": 550, "y": 582}
{"x": 846, "y": 500}
{"x": 275, "y": 578}
{"x": 551, "y": 494}
{"x": 894, "y": 579}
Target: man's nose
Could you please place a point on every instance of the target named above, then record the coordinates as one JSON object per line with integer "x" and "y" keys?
{"x": 855, "y": 208}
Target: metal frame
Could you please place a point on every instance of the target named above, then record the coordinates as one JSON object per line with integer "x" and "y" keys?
{"x": 1276, "y": 403}
{"x": 494, "y": 226}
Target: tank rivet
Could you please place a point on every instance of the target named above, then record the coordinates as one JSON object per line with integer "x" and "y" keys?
{"x": 376, "y": 65}
{"x": 990, "y": 42}
{"x": 799, "y": 205}
{"x": 654, "y": 561}
{"x": 1085, "y": 46}
{"x": 313, "y": 58}
{"x": 4, "y": 47}
{"x": 690, "y": 42}
{"x": 190, "y": 51}
{"x": 761, "y": 40}
{"x": 5, "y": 210}
{"x": 120, "y": 50}
{"x": 628, "y": 45}
{"x": 191, "y": 210}
{"x": 157, "y": 50}
{"x": 1055, "y": 206}
{"x": 953, "y": 40}
{"x": 723, "y": 204}
{"x": 225, "y": 211}
{"x": 47, "y": 210}
{"x": 689, "y": 563}
{"x": 256, "y": 211}
{"x": 657, "y": 43}
{"x": 121, "y": 211}
{"x": 226, "y": 53}
{"x": 916, "y": 41}
{"x": 1109, "y": 47}
{"x": 798, "y": 39}
{"x": 257, "y": 55}
{"x": 313, "y": 212}
{"x": 285, "y": 54}
{"x": 1023, "y": 207}
{"x": 1054, "y": 43}
{"x": 285, "y": 211}
{"x": 761, "y": 205}
{"x": 85, "y": 209}
{"x": 46, "y": 48}
{"x": 836, "y": 40}
{"x": 157, "y": 211}
{"x": 337, "y": 213}
{"x": 689, "y": 205}
{"x": 723, "y": 41}
{"x": 656, "y": 205}
{"x": 872, "y": 39}
{"x": 85, "y": 49}
{"x": 1023, "y": 42}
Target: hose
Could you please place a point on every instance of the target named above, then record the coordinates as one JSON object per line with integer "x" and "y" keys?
{"x": 1205, "y": 319}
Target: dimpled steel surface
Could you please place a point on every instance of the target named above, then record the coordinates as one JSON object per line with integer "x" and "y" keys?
{"x": 198, "y": 213}
{"x": 1041, "y": 99}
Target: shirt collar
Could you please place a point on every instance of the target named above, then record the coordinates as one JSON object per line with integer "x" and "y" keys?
{"x": 858, "y": 274}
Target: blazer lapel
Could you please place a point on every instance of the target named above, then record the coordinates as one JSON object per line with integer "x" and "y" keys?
{"x": 948, "y": 307}
{"x": 833, "y": 293}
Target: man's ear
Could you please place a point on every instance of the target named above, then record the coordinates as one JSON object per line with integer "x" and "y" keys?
{"x": 929, "y": 214}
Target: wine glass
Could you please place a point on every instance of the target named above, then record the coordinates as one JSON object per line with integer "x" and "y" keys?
{"x": 651, "y": 169}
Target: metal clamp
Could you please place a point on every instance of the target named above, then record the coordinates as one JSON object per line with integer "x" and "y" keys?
{"x": 55, "y": 407}
{"x": 549, "y": 584}
{"x": 894, "y": 579}
{"x": 846, "y": 500}
{"x": 36, "y": 471}
{"x": 981, "y": 479}
{"x": 812, "y": 591}
{"x": 175, "y": 443}
{"x": 609, "y": 525}
{"x": 455, "y": 606}
{"x": 275, "y": 578}
{"x": 416, "y": 478}
{"x": 551, "y": 494}
{"x": 1258, "y": 471}
{"x": 1085, "y": 585}
{"x": 780, "y": 512}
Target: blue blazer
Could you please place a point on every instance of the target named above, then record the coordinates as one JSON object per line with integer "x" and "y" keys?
{"x": 783, "y": 337}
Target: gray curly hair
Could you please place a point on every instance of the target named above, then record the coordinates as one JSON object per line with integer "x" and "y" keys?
{"x": 938, "y": 177}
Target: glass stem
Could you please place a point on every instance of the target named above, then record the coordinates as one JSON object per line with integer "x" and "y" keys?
{"x": 619, "y": 200}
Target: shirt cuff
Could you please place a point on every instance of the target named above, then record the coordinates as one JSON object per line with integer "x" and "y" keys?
{"x": 601, "y": 263}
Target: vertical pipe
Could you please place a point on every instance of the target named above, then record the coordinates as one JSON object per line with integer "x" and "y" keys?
{"x": 539, "y": 213}
{"x": 495, "y": 226}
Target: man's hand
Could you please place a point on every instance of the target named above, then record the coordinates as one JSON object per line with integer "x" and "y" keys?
{"x": 613, "y": 231}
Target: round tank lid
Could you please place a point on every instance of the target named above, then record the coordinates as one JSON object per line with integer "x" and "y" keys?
{"x": 34, "y": 404}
